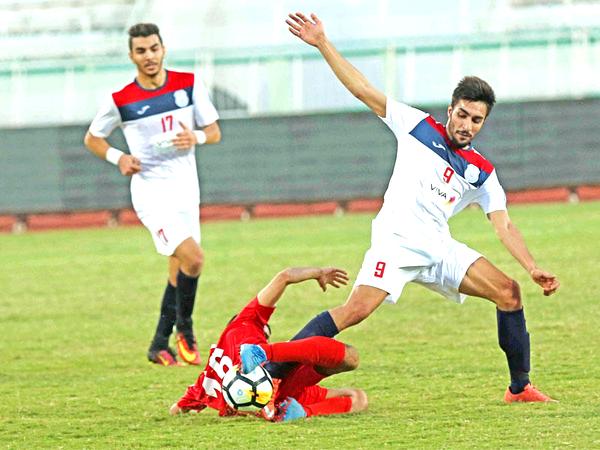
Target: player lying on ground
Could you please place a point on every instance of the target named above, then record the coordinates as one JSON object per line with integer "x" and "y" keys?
{"x": 437, "y": 174}
{"x": 298, "y": 394}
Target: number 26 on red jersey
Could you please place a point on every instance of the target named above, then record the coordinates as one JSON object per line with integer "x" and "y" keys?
{"x": 221, "y": 364}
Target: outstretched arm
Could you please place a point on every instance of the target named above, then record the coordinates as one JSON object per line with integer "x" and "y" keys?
{"x": 513, "y": 240}
{"x": 272, "y": 292}
{"x": 313, "y": 33}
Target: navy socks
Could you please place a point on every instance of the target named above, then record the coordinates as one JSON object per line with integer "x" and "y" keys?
{"x": 185, "y": 295}
{"x": 166, "y": 321}
{"x": 320, "y": 325}
{"x": 514, "y": 340}
{"x": 176, "y": 308}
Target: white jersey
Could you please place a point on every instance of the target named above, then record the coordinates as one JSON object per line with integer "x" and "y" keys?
{"x": 150, "y": 119}
{"x": 432, "y": 181}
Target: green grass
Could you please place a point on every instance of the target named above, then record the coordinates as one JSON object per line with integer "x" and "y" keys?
{"x": 78, "y": 308}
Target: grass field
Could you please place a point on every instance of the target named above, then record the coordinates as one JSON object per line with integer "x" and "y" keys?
{"x": 78, "y": 309}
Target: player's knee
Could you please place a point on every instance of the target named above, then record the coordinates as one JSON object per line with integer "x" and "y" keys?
{"x": 193, "y": 268}
{"x": 360, "y": 401}
{"x": 351, "y": 358}
{"x": 193, "y": 263}
{"x": 509, "y": 297}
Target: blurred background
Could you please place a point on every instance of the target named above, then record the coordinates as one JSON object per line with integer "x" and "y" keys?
{"x": 291, "y": 132}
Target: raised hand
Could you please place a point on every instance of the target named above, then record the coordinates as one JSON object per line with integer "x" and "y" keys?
{"x": 311, "y": 32}
{"x": 185, "y": 139}
{"x": 546, "y": 280}
{"x": 332, "y": 276}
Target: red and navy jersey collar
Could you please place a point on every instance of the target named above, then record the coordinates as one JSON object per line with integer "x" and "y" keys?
{"x": 433, "y": 135}
{"x": 135, "y": 81}
{"x": 135, "y": 102}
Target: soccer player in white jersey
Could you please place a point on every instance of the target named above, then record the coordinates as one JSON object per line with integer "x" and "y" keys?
{"x": 163, "y": 115}
{"x": 436, "y": 175}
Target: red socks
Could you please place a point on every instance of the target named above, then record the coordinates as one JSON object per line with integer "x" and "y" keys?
{"x": 335, "y": 405}
{"x": 312, "y": 351}
{"x": 315, "y": 351}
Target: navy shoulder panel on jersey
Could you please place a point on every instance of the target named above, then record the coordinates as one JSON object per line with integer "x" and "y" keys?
{"x": 157, "y": 105}
{"x": 135, "y": 102}
{"x": 466, "y": 162}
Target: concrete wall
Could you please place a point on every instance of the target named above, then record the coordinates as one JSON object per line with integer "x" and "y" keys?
{"x": 300, "y": 158}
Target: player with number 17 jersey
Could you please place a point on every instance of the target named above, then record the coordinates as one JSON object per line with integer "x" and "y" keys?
{"x": 164, "y": 114}
{"x": 150, "y": 120}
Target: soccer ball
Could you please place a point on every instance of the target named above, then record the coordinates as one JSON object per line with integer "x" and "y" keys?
{"x": 247, "y": 391}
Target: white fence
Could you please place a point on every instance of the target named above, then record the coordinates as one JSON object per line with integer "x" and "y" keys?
{"x": 292, "y": 80}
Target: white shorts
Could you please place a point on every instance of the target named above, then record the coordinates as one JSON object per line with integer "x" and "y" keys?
{"x": 169, "y": 229}
{"x": 386, "y": 269}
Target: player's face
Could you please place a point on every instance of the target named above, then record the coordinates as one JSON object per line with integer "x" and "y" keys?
{"x": 147, "y": 53}
{"x": 465, "y": 119}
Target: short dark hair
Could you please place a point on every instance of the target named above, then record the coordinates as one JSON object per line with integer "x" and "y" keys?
{"x": 474, "y": 89}
{"x": 143, "y": 30}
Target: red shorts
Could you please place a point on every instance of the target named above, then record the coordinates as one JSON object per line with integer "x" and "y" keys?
{"x": 191, "y": 399}
{"x": 302, "y": 384}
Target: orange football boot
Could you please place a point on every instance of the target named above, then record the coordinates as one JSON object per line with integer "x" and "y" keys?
{"x": 189, "y": 353}
{"x": 163, "y": 357}
{"x": 529, "y": 394}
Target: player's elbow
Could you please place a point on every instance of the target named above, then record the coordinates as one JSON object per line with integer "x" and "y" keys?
{"x": 87, "y": 139}
{"x": 215, "y": 135}
{"x": 284, "y": 277}
{"x": 503, "y": 226}
{"x": 93, "y": 143}
{"x": 361, "y": 92}
{"x": 502, "y": 229}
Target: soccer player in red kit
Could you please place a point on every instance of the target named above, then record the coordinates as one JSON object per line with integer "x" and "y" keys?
{"x": 298, "y": 394}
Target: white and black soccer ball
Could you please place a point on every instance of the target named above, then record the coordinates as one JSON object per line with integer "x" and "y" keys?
{"x": 247, "y": 391}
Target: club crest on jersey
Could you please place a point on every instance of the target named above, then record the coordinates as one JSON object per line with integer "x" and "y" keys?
{"x": 181, "y": 98}
{"x": 472, "y": 173}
